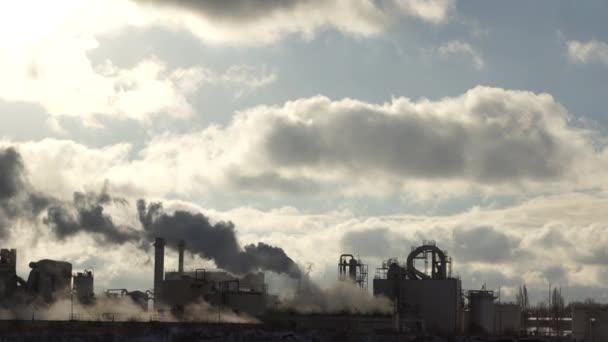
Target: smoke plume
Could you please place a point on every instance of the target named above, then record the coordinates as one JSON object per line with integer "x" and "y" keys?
{"x": 213, "y": 241}
{"x": 118, "y": 309}
{"x": 342, "y": 297}
{"x": 17, "y": 198}
{"x": 86, "y": 214}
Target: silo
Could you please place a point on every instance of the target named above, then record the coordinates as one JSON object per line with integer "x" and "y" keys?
{"x": 83, "y": 286}
{"x": 481, "y": 305}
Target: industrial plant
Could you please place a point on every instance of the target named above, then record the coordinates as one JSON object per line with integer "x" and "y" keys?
{"x": 421, "y": 298}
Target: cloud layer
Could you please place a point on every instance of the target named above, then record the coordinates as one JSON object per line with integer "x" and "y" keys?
{"x": 463, "y": 50}
{"x": 487, "y": 139}
{"x": 589, "y": 52}
{"x": 254, "y": 22}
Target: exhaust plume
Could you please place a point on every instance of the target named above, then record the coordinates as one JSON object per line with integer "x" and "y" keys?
{"x": 17, "y": 198}
{"x": 86, "y": 213}
{"x": 213, "y": 241}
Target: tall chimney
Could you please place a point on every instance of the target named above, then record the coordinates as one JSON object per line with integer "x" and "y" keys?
{"x": 180, "y": 246}
{"x": 159, "y": 268}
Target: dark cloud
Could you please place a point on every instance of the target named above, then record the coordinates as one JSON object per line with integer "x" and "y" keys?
{"x": 553, "y": 238}
{"x": 230, "y": 10}
{"x": 371, "y": 141}
{"x": 555, "y": 274}
{"x": 217, "y": 242}
{"x": 488, "y": 136}
{"x": 484, "y": 244}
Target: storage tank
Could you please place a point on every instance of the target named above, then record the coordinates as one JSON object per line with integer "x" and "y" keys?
{"x": 83, "y": 287}
{"x": 481, "y": 305}
{"x": 508, "y": 319}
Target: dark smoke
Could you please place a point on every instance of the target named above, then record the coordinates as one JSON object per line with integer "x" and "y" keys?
{"x": 214, "y": 241}
{"x": 17, "y": 198}
{"x": 86, "y": 214}
{"x": 272, "y": 258}
{"x": 11, "y": 174}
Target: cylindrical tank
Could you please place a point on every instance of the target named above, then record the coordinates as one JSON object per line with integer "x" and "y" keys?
{"x": 83, "y": 286}
{"x": 482, "y": 311}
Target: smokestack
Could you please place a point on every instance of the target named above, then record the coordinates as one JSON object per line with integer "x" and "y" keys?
{"x": 159, "y": 267}
{"x": 180, "y": 246}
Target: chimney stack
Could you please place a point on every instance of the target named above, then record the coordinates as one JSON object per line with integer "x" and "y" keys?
{"x": 159, "y": 268}
{"x": 180, "y": 266}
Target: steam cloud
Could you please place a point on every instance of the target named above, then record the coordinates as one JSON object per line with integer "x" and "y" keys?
{"x": 342, "y": 297}
{"x": 86, "y": 214}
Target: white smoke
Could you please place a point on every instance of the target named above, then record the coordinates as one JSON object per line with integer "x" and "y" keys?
{"x": 341, "y": 297}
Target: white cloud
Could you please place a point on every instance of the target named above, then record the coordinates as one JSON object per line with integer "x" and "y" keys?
{"x": 460, "y": 49}
{"x": 60, "y": 167}
{"x": 435, "y": 11}
{"x": 248, "y": 78}
{"x": 44, "y": 55}
{"x": 500, "y": 247}
{"x": 590, "y": 52}
{"x": 268, "y": 21}
{"x": 487, "y": 140}
{"x": 48, "y": 64}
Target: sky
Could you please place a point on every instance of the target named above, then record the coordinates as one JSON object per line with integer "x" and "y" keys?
{"x": 321, "y": 127}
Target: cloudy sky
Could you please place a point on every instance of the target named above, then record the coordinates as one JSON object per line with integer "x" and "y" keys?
{"x": 357, "y": 126}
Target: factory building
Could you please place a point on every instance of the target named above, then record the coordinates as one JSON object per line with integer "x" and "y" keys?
{"x": 590, "y": 322}
{"x": 175, "y": 290}
{"x": 49, "y": 280}
{"x": 507, "y": 319}
{"x": 9, "y": 281}
{"x": 436, "y": 298}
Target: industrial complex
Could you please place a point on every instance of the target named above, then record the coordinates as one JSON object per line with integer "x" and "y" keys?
{"x": 425, "y": 298}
